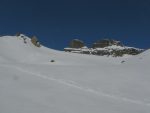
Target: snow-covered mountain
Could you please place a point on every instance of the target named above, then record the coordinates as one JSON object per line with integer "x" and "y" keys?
{"x": 72, "y": 83}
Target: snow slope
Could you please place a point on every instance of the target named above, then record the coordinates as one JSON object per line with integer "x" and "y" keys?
{"x": 74, "y": 83}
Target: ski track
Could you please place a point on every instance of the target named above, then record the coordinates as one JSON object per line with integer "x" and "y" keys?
{"x": 79, "y": 87}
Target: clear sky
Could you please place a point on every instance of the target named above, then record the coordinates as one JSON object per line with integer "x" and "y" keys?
{"x": 57, "y": 22}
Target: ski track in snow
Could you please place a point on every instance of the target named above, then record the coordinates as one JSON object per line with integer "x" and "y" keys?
{"x": 79, "y": 87}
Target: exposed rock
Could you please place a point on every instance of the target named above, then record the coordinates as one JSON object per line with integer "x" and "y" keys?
{"x": 123, "y": 61}
{"x": 106, "y": 47}
{"x": 24, "y": 40}
{"x": 24, "y": 37}
{"x": 52, "y": 61}
{"x": 35, "y": 41}
{"x": 76, "y": 44}
{"x": 106, "y": 42}
{"x": 20, "y": 35}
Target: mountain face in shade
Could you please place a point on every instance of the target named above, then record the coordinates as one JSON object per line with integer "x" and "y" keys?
{"x": 106, "y": 47}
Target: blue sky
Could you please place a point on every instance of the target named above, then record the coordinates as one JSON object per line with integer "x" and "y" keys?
{"x": 57, "y": 22}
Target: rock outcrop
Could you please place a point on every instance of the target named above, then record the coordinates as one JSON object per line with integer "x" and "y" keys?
{"x": 35, "y": 41}
{"x": 105, "y": 47}
{"x": 106, "y": 42}
{"x": 76, "y": 44}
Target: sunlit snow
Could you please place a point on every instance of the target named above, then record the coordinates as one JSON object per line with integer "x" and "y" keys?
{"x": 73, "y": 83}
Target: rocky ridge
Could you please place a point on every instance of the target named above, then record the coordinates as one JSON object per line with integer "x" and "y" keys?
{"x": 34, "y": 39}
{"x": 107, "y": 47}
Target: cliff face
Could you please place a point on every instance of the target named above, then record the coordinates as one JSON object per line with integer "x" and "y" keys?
{"x": 106, "y": 47}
